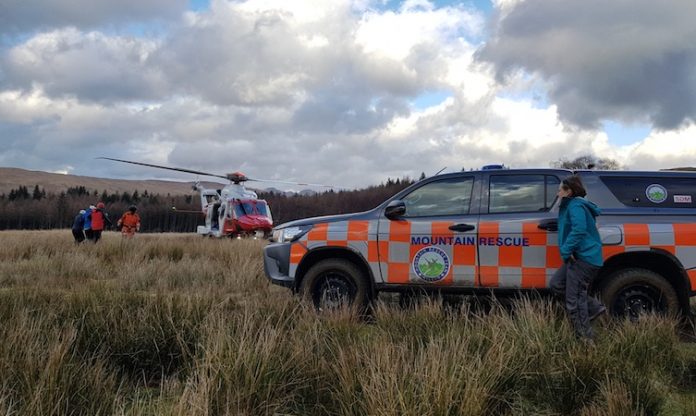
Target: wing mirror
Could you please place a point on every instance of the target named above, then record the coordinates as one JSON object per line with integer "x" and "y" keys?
{"x": 395, "y": 209}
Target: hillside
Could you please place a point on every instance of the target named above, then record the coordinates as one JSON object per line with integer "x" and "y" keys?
{"x": 11, "y": 178}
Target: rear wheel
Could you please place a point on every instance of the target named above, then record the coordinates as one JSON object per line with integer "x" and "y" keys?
{"x": 335, "y": 284}
{"x": 634, "y": 292}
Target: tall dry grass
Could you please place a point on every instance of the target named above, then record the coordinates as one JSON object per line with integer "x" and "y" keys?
{"x": 178, "y": 324}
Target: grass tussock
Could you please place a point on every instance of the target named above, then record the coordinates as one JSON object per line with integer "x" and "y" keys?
{"x": 183, "y": 325}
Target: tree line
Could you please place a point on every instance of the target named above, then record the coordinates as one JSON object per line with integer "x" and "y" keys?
{"x": 22, "y": 209}
{"x": 38, "y": 209}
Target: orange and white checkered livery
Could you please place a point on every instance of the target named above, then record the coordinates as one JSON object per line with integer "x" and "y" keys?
{"x": 505, "y": 254}
{"x": 358, "y": 236}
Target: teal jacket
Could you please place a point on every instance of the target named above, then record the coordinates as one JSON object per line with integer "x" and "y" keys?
{"x": 577, "y": 231}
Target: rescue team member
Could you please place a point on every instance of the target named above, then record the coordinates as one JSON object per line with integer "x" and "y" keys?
{"x": 129, "y": 222}
{"x": 88, "y": 222}
{"x": 99, "y": 220}
{"x": 78, "y": 227}
{"x": 581, "y": 251}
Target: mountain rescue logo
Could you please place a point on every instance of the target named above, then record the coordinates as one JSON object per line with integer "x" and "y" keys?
{"x": 431, "y": 264}
{"x": 656, "y": 193}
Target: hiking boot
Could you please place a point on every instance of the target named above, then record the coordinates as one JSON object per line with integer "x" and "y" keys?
{"x": 599, "y": 312}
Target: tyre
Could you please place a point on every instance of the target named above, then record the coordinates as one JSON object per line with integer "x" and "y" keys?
{"x": 335, "y": 284}
{"x": 634, "y": 292}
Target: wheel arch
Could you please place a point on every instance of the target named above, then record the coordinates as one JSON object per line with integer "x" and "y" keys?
{"x": 346, "y": 253}
{"x": 659, "y": 261}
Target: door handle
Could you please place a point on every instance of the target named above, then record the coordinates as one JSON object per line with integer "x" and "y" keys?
{"x": 549, "y": 224}
{"x": 461, "y": 227}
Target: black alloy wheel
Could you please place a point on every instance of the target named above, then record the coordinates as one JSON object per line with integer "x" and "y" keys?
{"x": 631, "y": 293}
{"x": 634, "y": 301}
{"x": 334, "y": 284}
{"x": 334, "y": 291}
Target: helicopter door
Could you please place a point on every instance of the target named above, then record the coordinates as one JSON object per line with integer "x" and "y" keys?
{"x": 209, "y": 198}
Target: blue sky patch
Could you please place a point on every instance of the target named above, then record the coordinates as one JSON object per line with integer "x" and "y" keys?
{"x": 430, "y": 99}
{"x": 483, "y": 5}
{"x": 199, "y": 5}
{"x": 625, "y": 134}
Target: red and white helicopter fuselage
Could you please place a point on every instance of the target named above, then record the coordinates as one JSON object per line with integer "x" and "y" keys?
{"x": 234, "y": 211}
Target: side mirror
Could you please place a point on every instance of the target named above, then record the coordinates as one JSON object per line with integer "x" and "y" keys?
{"x": 395, "y": 209}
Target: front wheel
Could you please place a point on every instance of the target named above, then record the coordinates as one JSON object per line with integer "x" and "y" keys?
{"x": 634, "y": 292}
{"x": 335, "y": 284}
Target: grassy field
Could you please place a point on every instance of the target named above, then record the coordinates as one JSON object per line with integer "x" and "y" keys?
{"x": 178, "y": 324}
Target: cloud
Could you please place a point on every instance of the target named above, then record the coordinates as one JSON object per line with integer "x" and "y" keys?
{"x": 308, "y": 91}
{"x": 22, "y": 16}
{"x": 630, "y": 61}
{"x": 663, "y": 149}
{"x": 89, "y": 66}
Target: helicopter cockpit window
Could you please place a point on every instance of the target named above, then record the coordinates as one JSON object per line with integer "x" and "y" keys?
{"x": 239, "y": 210}
{"x": 262, "y": 208}
{"x": 244, "y": 208}
{"x": 248, "y": 207}
{"x": 445, "y": 197}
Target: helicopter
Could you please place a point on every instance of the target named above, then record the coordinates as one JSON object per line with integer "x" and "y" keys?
{"x": 233, "y": 211}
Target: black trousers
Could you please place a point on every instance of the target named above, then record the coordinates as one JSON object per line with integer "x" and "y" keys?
{"x": 79, "y": 235}
{"x": 571, "y": 282}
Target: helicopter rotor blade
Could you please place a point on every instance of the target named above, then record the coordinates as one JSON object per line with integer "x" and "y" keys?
{"x": 290, "y": 183}
{"x": 195, "y": 172}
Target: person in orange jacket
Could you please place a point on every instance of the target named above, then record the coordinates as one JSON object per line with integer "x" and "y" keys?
{"x": 100, "y": 220}
{"x": 129, "y": 222}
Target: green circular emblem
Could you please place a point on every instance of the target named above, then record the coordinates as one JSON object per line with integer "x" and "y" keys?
{"x": 656, "y": 193}
{"x": 431, "y": 264}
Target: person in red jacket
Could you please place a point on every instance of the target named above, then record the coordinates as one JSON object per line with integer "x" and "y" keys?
{"x": 100, "y": 219}
{"x": 129, "y": 222}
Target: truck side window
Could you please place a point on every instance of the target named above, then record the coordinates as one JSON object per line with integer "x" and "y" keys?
{"x": 445, "y": 197}
{"x": 552, "y": 183}
{"x": 517, "y": 193}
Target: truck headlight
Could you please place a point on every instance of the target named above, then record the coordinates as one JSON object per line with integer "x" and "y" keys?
{"x": 286, "y": 235}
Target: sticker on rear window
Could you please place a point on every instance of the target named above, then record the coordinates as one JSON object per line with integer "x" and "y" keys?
{"x": 682, "y": 199}
{"x": 656, "y": 193}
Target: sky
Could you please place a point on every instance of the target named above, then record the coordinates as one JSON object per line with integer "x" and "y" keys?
{"x": 344, "y": 92}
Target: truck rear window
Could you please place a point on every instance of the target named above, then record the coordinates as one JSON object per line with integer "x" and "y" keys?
{"x": 653, "y": 192}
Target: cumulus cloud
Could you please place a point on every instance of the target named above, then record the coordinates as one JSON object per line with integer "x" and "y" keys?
{"x": 663, "y": 149}
{"x": 623, "y": 60}
{"x": 310, "y": 91}
{"x": 21, "y": 16}
{"x": 89, "y": 66}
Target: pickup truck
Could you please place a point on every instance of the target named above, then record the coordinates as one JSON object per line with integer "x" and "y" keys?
{"x": 494, "y": 231}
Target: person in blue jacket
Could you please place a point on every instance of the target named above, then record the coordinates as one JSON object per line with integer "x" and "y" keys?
{"x": 88, "y": 222}
{"x": 78, "y": 227}
{"x": 581, "y": 252}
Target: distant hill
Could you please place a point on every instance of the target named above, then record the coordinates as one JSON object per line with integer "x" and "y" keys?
{"x": 11, "y": 178}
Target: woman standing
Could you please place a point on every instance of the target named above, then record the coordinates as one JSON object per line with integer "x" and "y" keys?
{"x": 581, "y": 251}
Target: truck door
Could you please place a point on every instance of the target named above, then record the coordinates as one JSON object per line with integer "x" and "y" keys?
{"x": 517, "y": 243}
{"x": 434, "y": 241}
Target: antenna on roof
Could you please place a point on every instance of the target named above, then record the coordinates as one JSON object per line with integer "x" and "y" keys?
{"x": 439, "y": 171}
